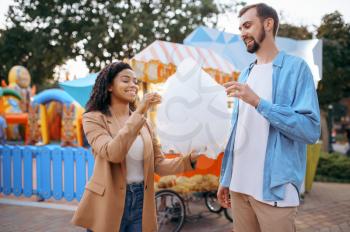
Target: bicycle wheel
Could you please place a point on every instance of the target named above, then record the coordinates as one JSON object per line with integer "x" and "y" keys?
{"x": 171, "y": 211}
{"x": 211, "y": 201}
{"x": 228, "y": 214}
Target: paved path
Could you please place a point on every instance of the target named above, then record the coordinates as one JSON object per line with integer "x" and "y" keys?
{"x": 326, "y": 209}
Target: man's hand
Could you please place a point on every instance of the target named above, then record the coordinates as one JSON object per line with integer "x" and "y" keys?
{"x": 223, "y": 196}
{"x": 243, "y": 92}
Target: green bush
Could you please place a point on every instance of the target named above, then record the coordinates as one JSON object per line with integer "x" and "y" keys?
{"x": 333, "y": 168}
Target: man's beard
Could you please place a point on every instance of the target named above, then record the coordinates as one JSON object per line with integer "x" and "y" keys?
{"x": 256, "y": 45}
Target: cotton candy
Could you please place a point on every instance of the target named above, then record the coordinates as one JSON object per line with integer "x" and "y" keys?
{"x": 193, "y": 114}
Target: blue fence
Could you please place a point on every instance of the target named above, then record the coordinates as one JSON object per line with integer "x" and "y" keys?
{"x": 46, "y": 171}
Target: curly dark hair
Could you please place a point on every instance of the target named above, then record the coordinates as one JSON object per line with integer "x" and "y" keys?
{"x": 100, "y": 98}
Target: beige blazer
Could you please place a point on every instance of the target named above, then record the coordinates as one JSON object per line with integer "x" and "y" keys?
{"x": 102, "y": 205}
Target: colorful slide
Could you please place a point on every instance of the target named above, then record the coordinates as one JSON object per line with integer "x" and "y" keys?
{"x": 66, "y": 100}
{"x": 53, "y": 95}
{"x": 11, "y": 92}
{"x": 11, "y": 117}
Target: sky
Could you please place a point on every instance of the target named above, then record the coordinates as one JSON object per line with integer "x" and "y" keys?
{"x": 296, "y": 12}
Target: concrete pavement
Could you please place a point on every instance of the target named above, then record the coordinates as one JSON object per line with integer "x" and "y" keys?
{"x": 326, "y": 209}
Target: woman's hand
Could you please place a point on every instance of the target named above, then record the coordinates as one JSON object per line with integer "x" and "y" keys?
{"x": 149, "y": 99}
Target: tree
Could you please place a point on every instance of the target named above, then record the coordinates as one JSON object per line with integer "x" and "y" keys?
{"x": 294, "y": 32}
{"x": 43, "y": 34}
{"x": 335, "y": 83}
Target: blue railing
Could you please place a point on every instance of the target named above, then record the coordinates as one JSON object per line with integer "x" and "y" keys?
{"x": 45, "y": 171}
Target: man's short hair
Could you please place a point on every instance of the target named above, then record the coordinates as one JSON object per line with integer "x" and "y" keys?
{"x": 263, "y": 12}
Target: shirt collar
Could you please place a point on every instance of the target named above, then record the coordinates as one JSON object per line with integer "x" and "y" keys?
{"x": 278, "y": 61}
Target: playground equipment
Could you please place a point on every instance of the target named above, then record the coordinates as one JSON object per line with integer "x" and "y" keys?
{"x": 16, "y": 100}
{"x": 11, "y": 112}
{"x": 19, "y": 80}
{"x": 71, "y": 131}
{"x": 52, "y": 107}
{"x": 5, "y": 95}
{"x": 19, "y": 75}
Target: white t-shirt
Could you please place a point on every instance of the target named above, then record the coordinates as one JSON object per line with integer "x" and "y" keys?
{"x": 134, "y": 162}
{"x": 251, "y": 142}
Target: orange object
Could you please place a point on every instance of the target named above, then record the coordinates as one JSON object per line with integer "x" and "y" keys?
{"x": 204, "y": 166}
{"x": 21, "y": 118}
{"x": 33, "y": 90}
{"x": 156, "y": 178}
{"x": 68, "y": 137}
{"x": 79, "y": 130}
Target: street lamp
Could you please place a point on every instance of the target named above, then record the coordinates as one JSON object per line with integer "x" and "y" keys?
{"x": 330, "y": 126}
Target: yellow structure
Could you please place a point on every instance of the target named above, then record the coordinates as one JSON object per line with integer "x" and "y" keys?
{"x": 71, "y": 126}
{"x": 19, "y": 79}
{"x": 313, "y": 155}
{"x": 44, "y": 125}
{"x": 78, "y": 125}
{"x": 20, "y": 76}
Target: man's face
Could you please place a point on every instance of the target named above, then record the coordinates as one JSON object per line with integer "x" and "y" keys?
{"x": 252, "y": 30}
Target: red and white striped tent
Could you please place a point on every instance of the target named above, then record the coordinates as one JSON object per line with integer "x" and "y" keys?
{"x": 158, "y": 61}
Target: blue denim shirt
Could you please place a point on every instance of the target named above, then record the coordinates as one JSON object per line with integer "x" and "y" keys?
{"x": 294, "y": 118}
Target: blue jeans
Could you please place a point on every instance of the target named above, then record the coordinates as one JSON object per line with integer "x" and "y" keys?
{"x": 132, "y": 216}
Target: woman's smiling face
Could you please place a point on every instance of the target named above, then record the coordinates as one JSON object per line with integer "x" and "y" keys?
{"x": 124, "y": 86}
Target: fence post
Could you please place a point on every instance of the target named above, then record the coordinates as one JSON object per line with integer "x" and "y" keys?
{"x": 80, "y": 172}
{"x": 57, "y": 173}
{"x": 17, "y": 170}
{"x": 68, "y": 158}
{"x": 28, "y": 171}
{"x": 7, "y": 172}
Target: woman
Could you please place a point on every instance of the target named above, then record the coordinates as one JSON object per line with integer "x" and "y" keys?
{"x": 120, "y": 193}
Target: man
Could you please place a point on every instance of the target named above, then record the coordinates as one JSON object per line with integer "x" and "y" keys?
{"x": 276, "y": 113}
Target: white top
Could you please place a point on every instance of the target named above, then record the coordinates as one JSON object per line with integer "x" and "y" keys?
{"x": 251, "y": 142}
{"x": 134, "y": 162}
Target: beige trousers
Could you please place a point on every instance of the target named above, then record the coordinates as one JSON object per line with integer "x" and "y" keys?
{"x": 250, "y": 215}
